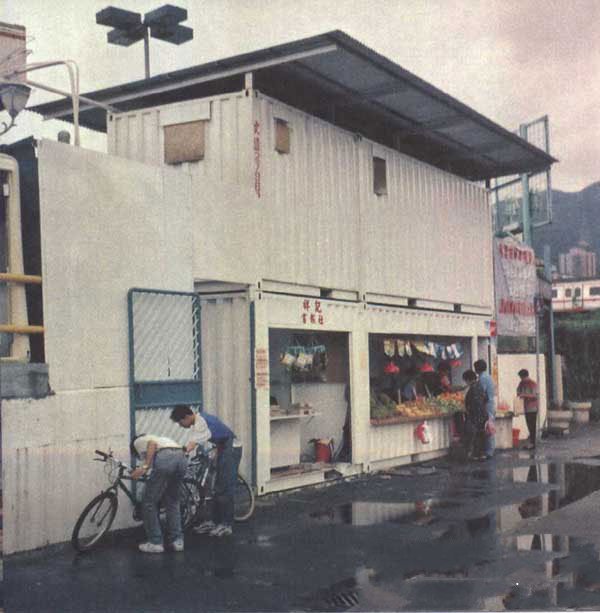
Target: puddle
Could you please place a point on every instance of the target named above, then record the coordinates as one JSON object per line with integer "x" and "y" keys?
{"x": 372, "y": 513}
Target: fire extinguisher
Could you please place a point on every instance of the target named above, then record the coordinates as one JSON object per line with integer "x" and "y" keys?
{"x": 423, "y": 433}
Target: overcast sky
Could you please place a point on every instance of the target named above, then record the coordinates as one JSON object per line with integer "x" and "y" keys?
{"x": 511, "y": 60}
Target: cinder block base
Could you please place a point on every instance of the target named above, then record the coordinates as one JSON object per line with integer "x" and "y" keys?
{"x": 23, "y": 380}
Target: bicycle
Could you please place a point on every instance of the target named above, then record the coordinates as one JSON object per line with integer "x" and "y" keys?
{"x": 199, "y": 481}
{"x": 196, "y": 491}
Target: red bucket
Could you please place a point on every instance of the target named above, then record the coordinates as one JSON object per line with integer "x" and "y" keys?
{"x": 323, "y": 449}
{"x": 516, "y": 432}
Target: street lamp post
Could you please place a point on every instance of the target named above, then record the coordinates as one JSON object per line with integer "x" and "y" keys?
{"x": 129, "y": 27}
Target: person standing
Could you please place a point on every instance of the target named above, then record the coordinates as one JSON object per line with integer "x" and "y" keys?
{"x": 480, "y": 367}
{"x": 528, "y": 390}
{"x": 209, "y": 428}
{"x": 164, "y": 464}
{"x": 475, "y": 418}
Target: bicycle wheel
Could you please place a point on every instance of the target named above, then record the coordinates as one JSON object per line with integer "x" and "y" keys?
{"x": 244, "y": 500}
{"x": 95, "y": 521}
{"x": 189, "y": 503}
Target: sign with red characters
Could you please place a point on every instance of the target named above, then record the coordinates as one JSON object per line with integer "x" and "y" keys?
{"x": 312, "y": 312}
{"x": 515, "y": 282}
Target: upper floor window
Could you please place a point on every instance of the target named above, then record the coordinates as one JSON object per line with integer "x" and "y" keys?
{"x": 184, "y": 142}
{"x": 577, "y": 292}
{"x": 554, "y": 293}
{"x": 379, "y": 176}
{"x": 595, "y": 291}
{"x": 282, "y": 136}
{"x": 567, "y": 293}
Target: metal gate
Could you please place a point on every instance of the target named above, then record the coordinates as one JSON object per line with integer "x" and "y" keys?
{"x": 164, "y": 359}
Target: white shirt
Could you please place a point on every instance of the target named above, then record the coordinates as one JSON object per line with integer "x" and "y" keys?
{"x": 162, "y": 442}
{"x": 199, "y": 431}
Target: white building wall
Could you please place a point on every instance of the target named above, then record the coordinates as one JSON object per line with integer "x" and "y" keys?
{"x": 107, "y": 225}
{"x": 429, "y": 237}
{"x": 309, "y": 201}
{"x": 311, "y": 217}
{"x": 226, "y": 360}
{"x": 48, "y": 472}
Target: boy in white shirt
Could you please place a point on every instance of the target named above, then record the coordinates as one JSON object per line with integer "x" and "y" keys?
{"x": 164, "y": 462}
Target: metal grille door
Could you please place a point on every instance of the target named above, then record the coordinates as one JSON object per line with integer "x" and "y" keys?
{"x": 164, "y": 358}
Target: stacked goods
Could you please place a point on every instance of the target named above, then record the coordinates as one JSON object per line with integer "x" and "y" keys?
{"x": 382, "y": 406}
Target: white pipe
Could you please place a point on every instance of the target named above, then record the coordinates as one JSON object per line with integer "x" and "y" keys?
{"x": 73, "y": 71}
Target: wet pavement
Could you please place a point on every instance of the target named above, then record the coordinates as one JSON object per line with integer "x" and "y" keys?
{"x": 519, "y": 532}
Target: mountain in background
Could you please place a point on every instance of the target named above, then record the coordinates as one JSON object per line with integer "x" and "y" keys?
{"x": 575, "y": 217}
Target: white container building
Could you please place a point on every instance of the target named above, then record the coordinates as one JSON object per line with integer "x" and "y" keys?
{"x": 313, "y": 195}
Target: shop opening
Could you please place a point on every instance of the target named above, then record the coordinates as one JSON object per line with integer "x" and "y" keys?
{"x": 310, "y": 401}
{"x": 415, "y": 377}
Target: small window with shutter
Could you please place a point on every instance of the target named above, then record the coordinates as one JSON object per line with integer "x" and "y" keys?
{"x": 282, "y": 136}
{"x": 379, "y": 176}
{"x": 184, "y": 142}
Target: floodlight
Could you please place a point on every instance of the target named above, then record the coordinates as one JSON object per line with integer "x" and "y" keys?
{"x": 176, "y": 35}
{"x": 125, "y": 38}
{"x": 161, "y": 23}
{"x": 118, "y": 18}
{"x": 165, "y": 15}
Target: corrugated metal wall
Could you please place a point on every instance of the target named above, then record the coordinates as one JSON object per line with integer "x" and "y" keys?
{"x": 428, "y": 237}
{"x": 226, "y": 367}
{"x": 310, "y": 201}
{"x": 392, "y": 441}
{"x": 311, "y": 216}
{"x": 138, "y": 135}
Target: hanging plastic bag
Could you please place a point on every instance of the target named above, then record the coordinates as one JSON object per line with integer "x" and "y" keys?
{"x": 389, "y": 347}
{"x": 423, "y": 433}
{"x": 304, "y": 361}
{"x": 288, "y": 359}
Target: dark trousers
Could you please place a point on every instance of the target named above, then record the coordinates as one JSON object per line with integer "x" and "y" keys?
{"x": 474, "y": 439}
{"x": 531, "y": 419}
{"x": 228, "y": 462}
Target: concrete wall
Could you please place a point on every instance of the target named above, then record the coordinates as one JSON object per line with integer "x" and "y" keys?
{"x": 107, "y": 225}
{"x": 508, "y": 380}
{"x": 48, "y": 472}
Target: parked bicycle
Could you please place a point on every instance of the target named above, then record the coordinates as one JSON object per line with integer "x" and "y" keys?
{"x": 197, "y": 490}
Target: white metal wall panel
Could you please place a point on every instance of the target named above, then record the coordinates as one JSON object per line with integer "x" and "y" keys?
{"x": 226, "y": 367}
{"x": 101, "y": 237}
{"x": 309, "y": 201}
{"x": 397, "y": 440}
{"x": 429, "y": 236}
{"x": 138, "y": 135}
{"x": 48, "y": 472}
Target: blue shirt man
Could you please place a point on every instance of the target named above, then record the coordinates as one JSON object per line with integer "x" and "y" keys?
{"x": 480, "y": 367}
{"x": 206, "y": 427}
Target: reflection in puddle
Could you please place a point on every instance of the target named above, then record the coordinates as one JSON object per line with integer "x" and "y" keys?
{"x": 504, "y": 571}
{"x": 371, "y": 513}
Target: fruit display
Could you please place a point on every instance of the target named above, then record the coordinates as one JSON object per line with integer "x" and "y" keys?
{"x": 383, "y": 407}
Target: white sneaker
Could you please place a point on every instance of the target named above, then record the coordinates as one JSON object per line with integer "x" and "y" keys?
{"x": 221, "y": 530}
{"x": 204, "y": 528}
{"x": 151, "y": 548}
{"x": 177, "y": 545}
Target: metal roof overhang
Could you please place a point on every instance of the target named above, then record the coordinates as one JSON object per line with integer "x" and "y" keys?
{"x": 336, "y": 77}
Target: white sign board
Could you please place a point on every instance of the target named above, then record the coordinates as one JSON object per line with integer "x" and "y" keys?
{"x": 515, "y": 283}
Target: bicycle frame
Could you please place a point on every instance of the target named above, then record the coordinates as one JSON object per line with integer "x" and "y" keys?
{"x": 118, "y": 482}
